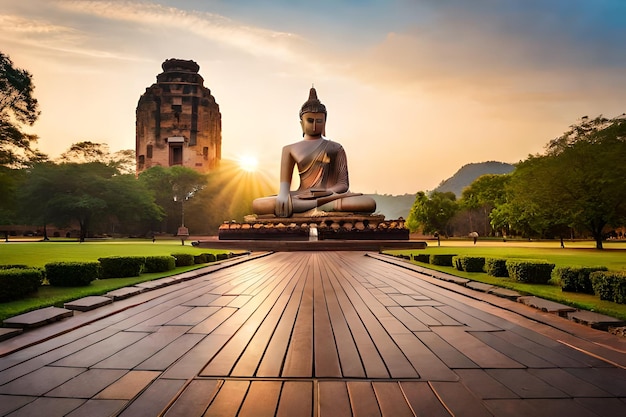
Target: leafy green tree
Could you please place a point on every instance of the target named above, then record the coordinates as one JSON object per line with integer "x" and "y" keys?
{"x": 578, "y": 183}
{"x": 91, "y": 194}
{"x": 10, "y": 182}
{"x": 172, "y": 187}
{"x": 85, "y": 152}
{"x": 18, "y": 107}
{"x": 483, "y": 195}
{"x": 433, "y": 214}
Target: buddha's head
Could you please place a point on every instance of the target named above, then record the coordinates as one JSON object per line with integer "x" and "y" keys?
{"x": 313, "y": 116}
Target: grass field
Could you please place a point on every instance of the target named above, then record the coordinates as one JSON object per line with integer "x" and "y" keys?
{"x": 578, "y": 253}
{"x": 37, "y": 254}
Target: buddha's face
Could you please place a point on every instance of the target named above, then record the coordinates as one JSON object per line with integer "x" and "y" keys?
{"x": 313, "y": 124}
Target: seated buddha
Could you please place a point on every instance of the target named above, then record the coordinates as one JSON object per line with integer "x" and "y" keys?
{"x": 323, "y": 170}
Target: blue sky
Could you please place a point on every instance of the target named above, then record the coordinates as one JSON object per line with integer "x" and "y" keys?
{"x": 414, "y": 88}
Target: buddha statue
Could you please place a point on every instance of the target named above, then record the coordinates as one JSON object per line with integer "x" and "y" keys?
{"x": 323, "y": 169}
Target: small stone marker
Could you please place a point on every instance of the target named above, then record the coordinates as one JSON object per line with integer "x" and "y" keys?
{"x": 595, "y": 320}
{"x": 38, "y": 317}
{"x": 88, "y": 303}
{"x": 122, "y": 293}
{"x": 546, "y": 305}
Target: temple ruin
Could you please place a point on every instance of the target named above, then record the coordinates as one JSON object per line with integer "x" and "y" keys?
{"x": 178, "y": 121}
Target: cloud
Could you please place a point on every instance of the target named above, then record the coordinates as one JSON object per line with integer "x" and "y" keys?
{"x": 222, "y": 30}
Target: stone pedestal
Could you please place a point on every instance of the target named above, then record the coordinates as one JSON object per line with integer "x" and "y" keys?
{"x": 342, "y": 226}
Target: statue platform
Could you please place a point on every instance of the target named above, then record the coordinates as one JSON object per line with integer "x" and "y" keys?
{"x": 343, "y": 226}
{"x": 330, "y": 232}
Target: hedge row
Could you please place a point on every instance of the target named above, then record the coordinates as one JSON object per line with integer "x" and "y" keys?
{"x": 469, "y": 263}
{"x": 17, "y": 281}
{"x": 72, "y": 274}
{"x": 531, "y": 271}
{"x": 577, "y": 279}
{"x": 610, "y": 286}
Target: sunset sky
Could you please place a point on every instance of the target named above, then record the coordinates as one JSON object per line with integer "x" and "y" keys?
{"x": 414, "y": 89}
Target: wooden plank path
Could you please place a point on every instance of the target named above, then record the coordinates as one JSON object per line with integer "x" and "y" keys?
{"x": 313, "y": 334}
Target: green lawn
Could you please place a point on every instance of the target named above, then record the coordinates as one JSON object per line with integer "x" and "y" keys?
{"x": 574, "y": 254}
{"x": 37, "y": 254}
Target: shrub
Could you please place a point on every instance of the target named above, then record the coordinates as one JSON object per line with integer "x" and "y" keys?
{"x": 16, "y": 283}
{"x": 17, "y": 266}
{"x": 496, "y": 267}
{"x": 456, "y": 262}
{"x": 576, "y": 279}
{"x": 159, "y": 263}
{"x": 222, "y": 256}
{"x": 421, "y": 257}
{"x": 210, "y": 257}
{"x": 122, "y": 266}
{"x": 531, "y": 271}
{"x": 441, "y": 259}
{"x": 72, "y": 274}
{"x": 470, "y": 263}
{"x": 199, "y": 259}
{"x": 183, "y": 259}
{"x": 610, "y": 286}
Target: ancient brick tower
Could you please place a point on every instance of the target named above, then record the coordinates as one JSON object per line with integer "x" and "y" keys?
{"x": 178, "y": 121}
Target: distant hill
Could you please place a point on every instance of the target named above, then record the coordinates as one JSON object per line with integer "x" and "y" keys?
{"x": 395, "y": 206}
{"x": 468, "y": 173}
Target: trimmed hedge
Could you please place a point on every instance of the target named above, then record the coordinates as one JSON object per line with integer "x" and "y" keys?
{"x": 421, "y": 257}
{"x": 456, "y": 263}
{"x": 199, "y": 259}
{"x": 222, "y": 256}
{"x": 210, "y": 257}
{"x": 72, "y": 274}
{"x": 496, "y": 267}
{"x": 122, "y": 266}
{"x": 183, "y": 259}
{"x": 159, "y": 264}
{"x": 18, "y": 266}
{"x": 576, "y": 279}
{"x": 531, "y": 271}
{"x": 16, "y": 283}
{"x": 610, "y": 286}
{"x": 469, "y": 263}
{"x": 441, "y": 259}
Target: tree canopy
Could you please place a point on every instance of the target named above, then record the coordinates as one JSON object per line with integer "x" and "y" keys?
{"x": 90, "y": 194}
{"x": 18, "y": 107}
{"x": 432, "y": 213}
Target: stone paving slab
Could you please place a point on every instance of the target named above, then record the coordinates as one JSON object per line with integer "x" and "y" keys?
{"x": 7, "y": 333}
{"x": 157, "y": 283}
{"x": 88, "y": 303}
{"x": 595, "y": 320}
{"x": 547, "y": 305}
{"x": 505, "y": 293}
{"x": 479, "y": 286}
{"x": 123, "y": 293}
{"x": 38, "y": 317}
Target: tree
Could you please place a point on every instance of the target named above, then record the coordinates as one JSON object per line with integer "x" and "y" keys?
{"x": 18, "y": 107}
{"x": 484, "y": 194}
{"x": 171, "y": 188}
{"x": 85, "y": 152}
{"x": 432, "y": 214}
{"x": 579, "y": 182}
{"x": 92, "y": 195}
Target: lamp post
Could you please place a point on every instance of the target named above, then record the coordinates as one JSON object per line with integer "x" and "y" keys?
{"x": 183, "y": 232}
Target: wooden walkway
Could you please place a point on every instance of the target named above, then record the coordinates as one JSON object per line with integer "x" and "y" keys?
{"x": 313, "y": 334}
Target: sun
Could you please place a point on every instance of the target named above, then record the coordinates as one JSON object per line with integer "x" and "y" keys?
{"x": 248, "y": 163}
